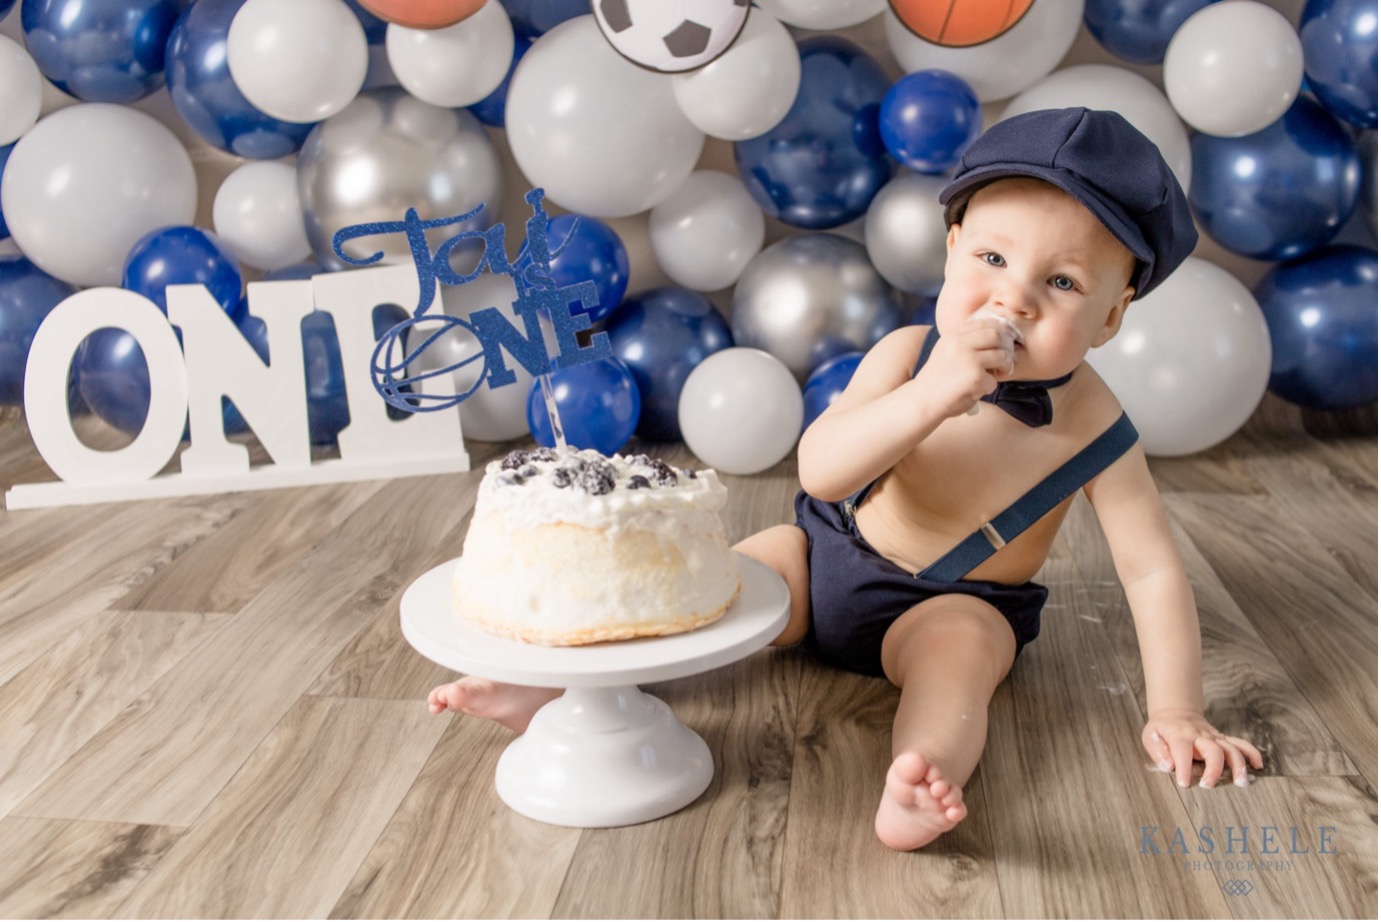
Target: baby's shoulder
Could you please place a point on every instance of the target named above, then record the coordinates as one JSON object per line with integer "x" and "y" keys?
{"x": 1092, "y": 404}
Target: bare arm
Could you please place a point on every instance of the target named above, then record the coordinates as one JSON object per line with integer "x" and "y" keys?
{"x": 1153, "y": 576}
{"x": 884, "y": 413}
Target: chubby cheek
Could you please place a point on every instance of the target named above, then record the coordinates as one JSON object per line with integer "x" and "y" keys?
{"x": 955, "y": 304}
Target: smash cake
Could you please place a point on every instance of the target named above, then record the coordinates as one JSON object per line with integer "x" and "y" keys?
{"x": 572, "y": 547}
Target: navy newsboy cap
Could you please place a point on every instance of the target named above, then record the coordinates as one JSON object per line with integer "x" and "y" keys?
{"x": 1115, "y": 171}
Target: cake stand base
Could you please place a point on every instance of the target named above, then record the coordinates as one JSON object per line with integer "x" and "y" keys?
{"x": 603, "y": 754}
{"x": 599, "y": 757}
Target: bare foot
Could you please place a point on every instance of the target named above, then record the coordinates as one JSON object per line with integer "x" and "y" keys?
{"x": 510, "y": 705}
{"x": 918, "y": 804}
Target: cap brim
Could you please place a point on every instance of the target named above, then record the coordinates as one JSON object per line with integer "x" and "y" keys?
{"x": 1129, "y": 235}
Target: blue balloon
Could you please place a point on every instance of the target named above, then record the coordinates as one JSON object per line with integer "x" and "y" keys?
{"x": 924, "y": 312}
{"x": 824, "y": 161}
{"x": 1321, "y": 311}
{"x": 5, "y": 152}
{"x": 256, "y": 332}
{"x": 206, "y": 97}
{"x": 826, "y": 383}
{"x": 492, "y": 108}
{"x": 662, "y": 335}
{"x": 537, "y": 16}
{"x": 27, "y": 294}
{"x": 297, "y": 272}
{"x": 183, "y": 255}
{"x": 1136, "y": 30}
{"x": 928, "y": 119}
{"x": 113, "y": 378}
{"x": 590, "y": 251}
{"x": 1339, "y": 39}
{"x": 598, "y": 403}
{"x": 375, "y": 29}
{"x": 328, "y": 411}
{"x": 100, "y": 50}
{"x": 1280, "y": 192}
{"x": 5, "y": 7}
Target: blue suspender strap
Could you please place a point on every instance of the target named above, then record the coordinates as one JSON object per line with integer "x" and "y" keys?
{"x": 1038, "y": 501}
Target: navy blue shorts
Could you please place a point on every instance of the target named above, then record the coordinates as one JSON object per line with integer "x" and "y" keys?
{"x": 856, "y": 593}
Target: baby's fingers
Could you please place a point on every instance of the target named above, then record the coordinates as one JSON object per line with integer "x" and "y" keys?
{"x": 1252, "y": 753}
{"x": 1158, "y": 750}
{"x": 1182, "y": 751}
{"x": 1212, "y": 755}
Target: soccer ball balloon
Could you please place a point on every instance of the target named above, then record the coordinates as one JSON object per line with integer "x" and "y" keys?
{"x": 671, "y": 36}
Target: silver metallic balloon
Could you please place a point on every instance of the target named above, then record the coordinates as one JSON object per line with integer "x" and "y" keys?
{"x": 387, "y": 152}
{"x": 905, "y": 232}
{"x": 811, "y": 297}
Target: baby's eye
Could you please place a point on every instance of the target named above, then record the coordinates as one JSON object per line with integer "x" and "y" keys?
{"x": 994, "y": 259}
{"x": 1064, "y": 283}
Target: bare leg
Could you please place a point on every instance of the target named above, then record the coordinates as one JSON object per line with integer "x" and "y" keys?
{"x": 783, "y": 548}
{"x": 947, "y": 655}
{"x": 510, "y": 705}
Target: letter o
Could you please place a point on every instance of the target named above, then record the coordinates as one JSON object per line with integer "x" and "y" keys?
{"x": 45, "y": 387}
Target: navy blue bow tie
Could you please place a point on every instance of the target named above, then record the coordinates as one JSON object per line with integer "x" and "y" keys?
{"x": 1028, "y": 401}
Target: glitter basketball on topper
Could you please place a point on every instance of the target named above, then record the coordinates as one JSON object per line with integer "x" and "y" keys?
{"x": 671, "y": 36}
{"x": 960, "y": 23}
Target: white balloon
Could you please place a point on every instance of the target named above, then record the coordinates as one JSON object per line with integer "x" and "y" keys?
{"x": 455, "y": 66}
{"x": 1191, "y": 361}
{"x": 748, "y": 89}
{"x": 1004, "y": 66}
{"x": 707, "y": 231}
{"x": 905, "y": 233}
{"x": 1101, "y": 86}
{"x": 1233, "y": 68}
{"x": 21, "y": 90}
{"x": 741, "y": 411}
{"x": 257, "y": 214}
{"x": 823, "y": 14}
{"x": 604, "y": 137}
{"x": 300, "y": 61}
{"x": 86, "y": 182}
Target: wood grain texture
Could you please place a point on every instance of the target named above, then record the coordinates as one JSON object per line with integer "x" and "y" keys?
{"x": 71, "y": 869}
{"x": 302, "y": 814}
{"x": 48, "y": 711}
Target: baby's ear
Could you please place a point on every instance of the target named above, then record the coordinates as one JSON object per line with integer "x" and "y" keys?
{"x": 952, "y": 236}
{"x": 1113, "y": 323}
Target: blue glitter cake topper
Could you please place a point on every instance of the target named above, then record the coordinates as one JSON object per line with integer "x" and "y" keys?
{"x": 537, "y": 294}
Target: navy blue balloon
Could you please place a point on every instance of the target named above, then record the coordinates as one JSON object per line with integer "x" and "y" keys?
{"x": 662, "y": 335}
{"x": 27, "y": 295}
{"x": 492, "y": 109}
{"x": 598, "y": 402}
{"x": 5, "y": 152}
{"x": 256, "y": 332}
{"x": 328, "y": 411}
{"x": 113, "y": 378}
{"x": 1321, "y": 311}
{"x": 821, "y": 165}
{"x": 928, "y": 118}
{"x": 1339, "y": 40}
{"x": 1280, "y": 192}
{"x": 1138, "y": 30}
{"x": 826, "y": 383}
{"x": 206, "y": 97}
{"x": 375, "y": 29}
{"x": 100, "y": 50}
{"x": 537, "y": 16}
{"x": 183, "y": 255}
{"x": 5, "y": 7}
{"x": 591, "y": 251}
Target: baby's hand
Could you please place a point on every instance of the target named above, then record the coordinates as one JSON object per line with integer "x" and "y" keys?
{"x": 1175, "y": 738}
{"x": 968, "y": 363}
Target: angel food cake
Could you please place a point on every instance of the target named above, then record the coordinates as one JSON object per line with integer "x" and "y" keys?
{"x": 574, "y": 547}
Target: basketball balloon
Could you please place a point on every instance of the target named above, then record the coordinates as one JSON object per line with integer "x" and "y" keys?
{"x": 960, "y": 23}
{"x": 423, "y": 14}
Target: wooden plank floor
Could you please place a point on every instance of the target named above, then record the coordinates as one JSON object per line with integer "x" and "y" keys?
{"x": 207, "y": 710}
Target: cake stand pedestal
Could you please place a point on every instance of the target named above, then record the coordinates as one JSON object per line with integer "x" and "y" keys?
{"x": 603, "y": 754}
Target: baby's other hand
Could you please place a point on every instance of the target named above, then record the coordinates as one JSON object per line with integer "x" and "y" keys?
{"x": 1174, "y": 739}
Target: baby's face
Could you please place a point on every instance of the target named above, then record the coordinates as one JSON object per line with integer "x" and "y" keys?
{"x": 1034, "y": 255}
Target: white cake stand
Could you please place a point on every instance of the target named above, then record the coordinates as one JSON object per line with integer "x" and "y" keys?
{"x": 603, "y": 754}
